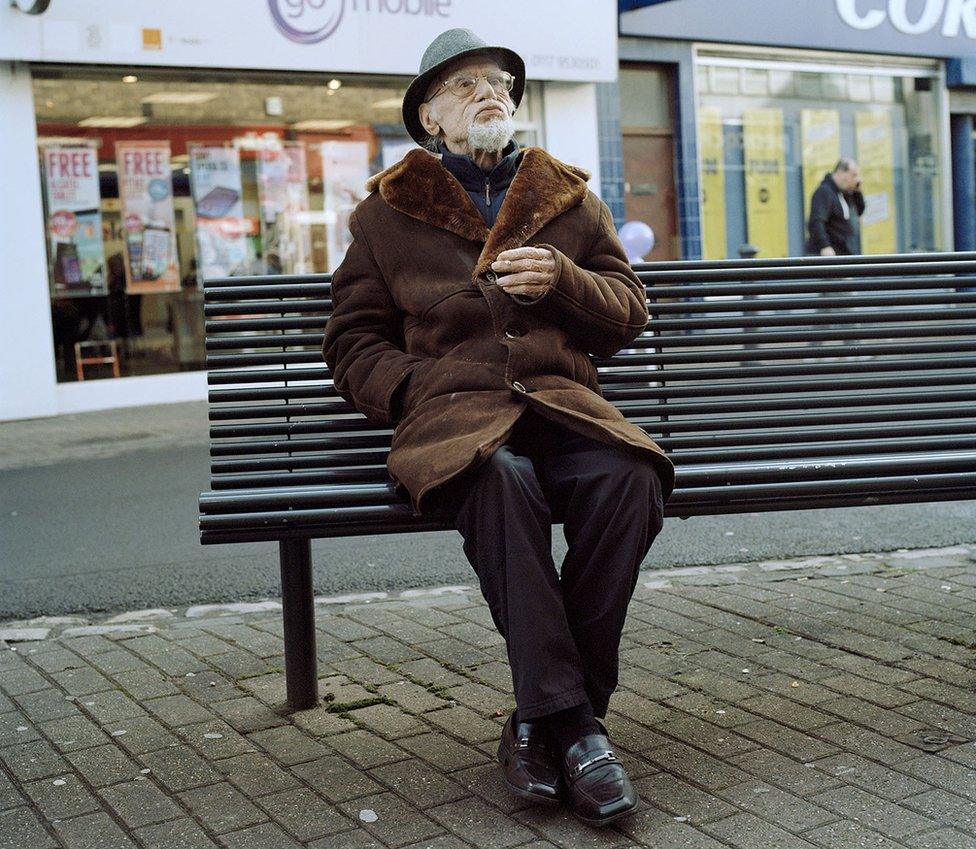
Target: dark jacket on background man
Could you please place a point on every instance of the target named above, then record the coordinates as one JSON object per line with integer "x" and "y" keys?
{"x": 830, "y": 224}
{"x": 415, "y": 302}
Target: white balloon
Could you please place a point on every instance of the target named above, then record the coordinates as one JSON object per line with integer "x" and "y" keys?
{"x": 637, "y": 239}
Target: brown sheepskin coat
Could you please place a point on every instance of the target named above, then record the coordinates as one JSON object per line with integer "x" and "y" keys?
{"x": 415, "y": 301}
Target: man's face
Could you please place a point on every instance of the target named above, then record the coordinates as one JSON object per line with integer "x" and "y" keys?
{"x": 456, "y": 116}
{"x": 847, "y": 180}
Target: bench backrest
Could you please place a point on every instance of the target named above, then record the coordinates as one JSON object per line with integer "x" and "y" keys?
{"x": 773, "y": 384}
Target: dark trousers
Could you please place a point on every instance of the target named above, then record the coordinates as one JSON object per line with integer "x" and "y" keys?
{"x": 562, "y": 631}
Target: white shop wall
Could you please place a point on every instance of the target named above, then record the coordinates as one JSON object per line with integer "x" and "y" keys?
{"x": 27, "y": 377}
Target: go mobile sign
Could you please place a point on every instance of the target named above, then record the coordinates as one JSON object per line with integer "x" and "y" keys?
{"x": 932, "y": 28}
{"x": 312, "y": 21}
{"x": 573, "y": 40}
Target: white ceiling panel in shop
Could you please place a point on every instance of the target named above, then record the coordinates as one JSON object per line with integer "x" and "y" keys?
{"x": 164, "y": 100}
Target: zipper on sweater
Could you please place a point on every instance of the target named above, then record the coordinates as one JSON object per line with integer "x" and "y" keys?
{"x": 487, "y": 193}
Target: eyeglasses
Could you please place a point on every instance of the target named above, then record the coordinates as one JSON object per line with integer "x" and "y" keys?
{"x": 464, "y": 85}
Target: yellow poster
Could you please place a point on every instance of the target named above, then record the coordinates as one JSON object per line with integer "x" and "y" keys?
{"x": 876, "y": 156}
{"x": 820, "y": 130}
{"x": 765, "y": 168}
{"x": 712, "y": 156}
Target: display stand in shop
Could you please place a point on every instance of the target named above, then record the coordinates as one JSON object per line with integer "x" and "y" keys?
{"x": 111, "y": 358}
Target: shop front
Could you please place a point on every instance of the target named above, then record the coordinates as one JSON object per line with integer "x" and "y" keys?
{"x": 768, "y": 96}
{"x": 148, "y": 150}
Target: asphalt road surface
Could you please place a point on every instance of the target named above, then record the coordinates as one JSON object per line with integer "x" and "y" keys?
{"x": 118, "y": 532}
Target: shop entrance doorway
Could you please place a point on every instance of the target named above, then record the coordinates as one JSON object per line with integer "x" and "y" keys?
{"x": 649, "y": 194}
{"x": 647, "y": 129}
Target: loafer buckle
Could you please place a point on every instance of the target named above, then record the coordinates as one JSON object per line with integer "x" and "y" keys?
{"x": 607, "y": 755}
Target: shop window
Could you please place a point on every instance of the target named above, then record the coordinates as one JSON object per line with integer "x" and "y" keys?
{"x": 766, "y": 144}
{"x": 154, "y": 179}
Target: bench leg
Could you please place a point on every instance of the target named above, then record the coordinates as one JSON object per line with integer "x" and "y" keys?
{"x": 301, "y": 680}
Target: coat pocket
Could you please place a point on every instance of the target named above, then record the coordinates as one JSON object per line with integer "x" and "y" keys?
{"x": 446, "y": 296}
{"x": 415, "y": 384}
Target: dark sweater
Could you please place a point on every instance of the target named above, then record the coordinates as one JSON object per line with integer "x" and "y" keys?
{"x": 486, "y": 189}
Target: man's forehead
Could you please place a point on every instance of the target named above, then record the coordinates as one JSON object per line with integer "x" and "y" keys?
{"x": 470, "y": 64}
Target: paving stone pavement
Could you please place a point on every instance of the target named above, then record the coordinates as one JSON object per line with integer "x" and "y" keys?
{"x": 824, "y": 702}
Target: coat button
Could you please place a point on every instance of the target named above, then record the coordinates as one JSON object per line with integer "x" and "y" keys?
{"x": 518, "y": 387}
{"x": 513, "y": 332}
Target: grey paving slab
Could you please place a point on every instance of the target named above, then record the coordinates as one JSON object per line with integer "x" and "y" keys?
{"x": 478, "y": 824}
{"x": 747, "y": 831}
{"x": 44, "y": 705}
{"x": 683, "y": 800}
{"x": 20, "y": 827}
{"x": 944, "y": 838}
{"x": 36, "y": 759}
{"x": 787, "y": 810}
{"x": 256, "y": 774}
{"x": 390, "y": 819}
{"x": 10, "y": 796}
{"x": 336, "y": 779}
{"x": 75, "y": 732}
{"x": 139, "y": 734}
{"x": 267, "y": 835}
{"x": 61, "y": 797}
{"x": 93, "y": 831}
{"x": 16, "y": 728}
{"x": 221, "y": 807}
{"x": 288, "y": 745}
{"x": 304, "y": 814}
{"x": 179, "y": 768}
{"x": 182, "y": 833}
{"x": 104, "y": 765}
{"x": 892, "y": 820}
{"x": 418, "y": 783}
{"x": 139, "y": 802}
{"x": 847, "y": 834}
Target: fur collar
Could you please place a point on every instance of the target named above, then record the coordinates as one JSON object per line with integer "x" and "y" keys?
{"x": 543, "y": 187}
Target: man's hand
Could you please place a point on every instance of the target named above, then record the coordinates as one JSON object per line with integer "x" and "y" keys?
{"x": 828, "y": 251}
{"x": 525, "y": 271}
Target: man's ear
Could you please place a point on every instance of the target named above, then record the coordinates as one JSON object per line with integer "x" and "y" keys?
{"x": 427, "y": 120}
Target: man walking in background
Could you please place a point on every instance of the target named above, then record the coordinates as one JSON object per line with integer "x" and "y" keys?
{"x": 835, "y": 210}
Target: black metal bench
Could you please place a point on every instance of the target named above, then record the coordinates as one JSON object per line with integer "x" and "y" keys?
{"x": 773, "y": 384}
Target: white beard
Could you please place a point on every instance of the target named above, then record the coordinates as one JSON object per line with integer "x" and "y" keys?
{"x": 491, "y": 135}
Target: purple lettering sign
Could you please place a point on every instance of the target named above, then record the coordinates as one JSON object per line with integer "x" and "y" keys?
{"x": 307, "y": 21}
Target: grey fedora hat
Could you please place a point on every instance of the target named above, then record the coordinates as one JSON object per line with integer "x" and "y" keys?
{"x": 447, "y": 47}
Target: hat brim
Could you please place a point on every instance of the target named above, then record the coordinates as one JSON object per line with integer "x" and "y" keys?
{"x": 509, "y": 60}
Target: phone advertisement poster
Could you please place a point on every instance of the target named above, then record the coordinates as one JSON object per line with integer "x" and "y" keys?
{"x": 149, "y": 224}
{"x": 296, "y": 253}
{"x": 215, "y": 179}
{"x": 345, "y": 169}
{"x": 74, "y": 219}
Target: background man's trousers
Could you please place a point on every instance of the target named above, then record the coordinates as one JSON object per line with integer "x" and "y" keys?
{"x": 562, "y": 635}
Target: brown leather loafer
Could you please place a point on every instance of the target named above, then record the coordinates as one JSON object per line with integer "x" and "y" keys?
{"x": 597, "y": 785}
{"x": 531, "y": 768}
